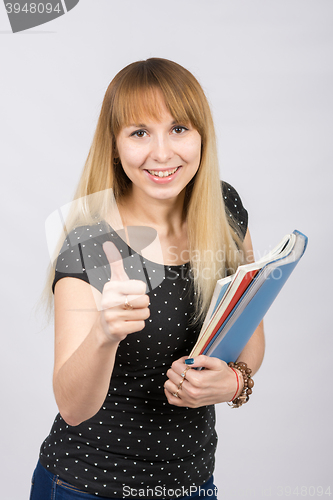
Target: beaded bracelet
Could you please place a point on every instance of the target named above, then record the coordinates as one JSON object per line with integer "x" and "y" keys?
{"x": 248, "y": 384}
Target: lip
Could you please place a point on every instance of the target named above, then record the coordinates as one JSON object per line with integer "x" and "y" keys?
{"x": 162, "y": 180}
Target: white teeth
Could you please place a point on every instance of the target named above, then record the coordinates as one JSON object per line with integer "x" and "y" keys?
{"x": 160, "y": 173}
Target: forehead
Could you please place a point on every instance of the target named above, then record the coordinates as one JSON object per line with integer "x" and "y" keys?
{"x": 164, "y": 118}
{"x": 145, "y": 106}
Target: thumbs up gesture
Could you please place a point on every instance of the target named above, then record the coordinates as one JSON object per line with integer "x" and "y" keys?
{"x": 124, "y": 305}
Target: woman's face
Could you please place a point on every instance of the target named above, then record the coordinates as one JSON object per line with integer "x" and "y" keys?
{"x": 159, "y": 157}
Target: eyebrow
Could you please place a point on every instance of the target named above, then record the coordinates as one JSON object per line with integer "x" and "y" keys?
{"x": 143, "y": 125}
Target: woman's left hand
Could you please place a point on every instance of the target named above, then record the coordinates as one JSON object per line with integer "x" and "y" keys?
{"x": 217, "y": 383}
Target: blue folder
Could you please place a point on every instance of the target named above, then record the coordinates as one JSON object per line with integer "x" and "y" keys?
{"x": 239, "y": 326}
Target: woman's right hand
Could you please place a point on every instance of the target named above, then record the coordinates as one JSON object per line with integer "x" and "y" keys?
{"x": 87, "y": 337}
{"x": 116, "y": 320}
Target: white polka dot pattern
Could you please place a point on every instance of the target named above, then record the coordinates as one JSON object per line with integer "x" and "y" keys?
{"x": 137, "y": 439}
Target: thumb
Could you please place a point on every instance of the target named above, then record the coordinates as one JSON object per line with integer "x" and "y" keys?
{"x": 208, "y": 362}
{"x": 112, "y": 253}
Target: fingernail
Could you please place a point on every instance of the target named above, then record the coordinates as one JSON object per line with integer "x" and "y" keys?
{"x": 189, "y": 361}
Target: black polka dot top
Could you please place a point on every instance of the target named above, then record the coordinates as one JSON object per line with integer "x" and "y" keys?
{"x": 137, "y": 439}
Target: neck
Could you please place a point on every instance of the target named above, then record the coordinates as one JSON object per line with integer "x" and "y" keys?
{"x": 164, "y": 215}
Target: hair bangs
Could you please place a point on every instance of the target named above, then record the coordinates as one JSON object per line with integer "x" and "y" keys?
{"x": 134, "y": 106}
{"x": 143, "y": 89}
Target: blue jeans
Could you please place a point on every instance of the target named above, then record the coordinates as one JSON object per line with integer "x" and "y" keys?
{"x": 48, "y": 486}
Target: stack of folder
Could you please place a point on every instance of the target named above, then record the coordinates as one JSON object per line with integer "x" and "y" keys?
{"x": 240, "y": 301}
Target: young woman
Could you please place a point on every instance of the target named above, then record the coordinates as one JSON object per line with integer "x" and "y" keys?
{"x": 151, "y": 230}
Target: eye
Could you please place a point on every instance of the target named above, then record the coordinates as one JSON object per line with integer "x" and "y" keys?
{"x": 179, "y": 129}
{"x": 139, "y": 133}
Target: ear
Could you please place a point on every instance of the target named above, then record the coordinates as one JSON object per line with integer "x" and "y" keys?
{"x": 116, "y": 158}
{"x": 115, "y": 153}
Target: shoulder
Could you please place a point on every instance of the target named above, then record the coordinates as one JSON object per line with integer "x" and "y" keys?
{"x": 82, "y": 256}
{"x": 78, "y": 244}
{"x": 234, "y": 207}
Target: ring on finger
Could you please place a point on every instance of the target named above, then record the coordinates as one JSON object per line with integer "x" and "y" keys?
{"x": 175, "y": 394}
{"x": 127, "y": 305}
{"x": 180, "y": 384}
{"x": 183, "y": 375}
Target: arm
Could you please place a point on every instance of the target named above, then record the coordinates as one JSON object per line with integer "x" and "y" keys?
{"x": 84, "y": 358}
{"x": 86, "y": 339}
{"x": 217, "y": 383}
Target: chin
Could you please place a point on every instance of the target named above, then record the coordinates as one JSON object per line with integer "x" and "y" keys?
{"x": 166, "y": 194}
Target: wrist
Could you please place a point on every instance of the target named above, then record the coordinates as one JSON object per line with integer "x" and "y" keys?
{"x": 239, "y": 383}
{"x": 243, "y": 373}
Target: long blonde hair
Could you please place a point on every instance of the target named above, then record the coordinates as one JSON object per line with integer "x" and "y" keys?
{"x": 131, "y": 96}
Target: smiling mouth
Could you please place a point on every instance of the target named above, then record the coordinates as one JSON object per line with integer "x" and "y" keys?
{"x": 162, "y": 173}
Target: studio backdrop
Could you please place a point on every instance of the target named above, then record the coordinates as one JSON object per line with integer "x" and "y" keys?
{"x": 266, "y": 68}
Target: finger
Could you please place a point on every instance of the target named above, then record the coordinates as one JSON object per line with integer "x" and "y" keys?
{"x": 126, "y": 315}
{"x": 180, "y": 362}
{"x": 171, "y": 389}
{"x": 129, "y": 287}
{"x": 175, "y": 383}
{"x": 173, "y": 400}
{"x": 125, "y": 328}
{"x": 112, "y": 253}
{"x": 137, "y": 301}
{"x": 118, "y": 293}
{"x": 118, "y": 301}
{"x": 179, "y": 366}
{"x": 208, "y": 362}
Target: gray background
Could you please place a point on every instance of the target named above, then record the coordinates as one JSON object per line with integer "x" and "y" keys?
{"x": 266, "y": 66}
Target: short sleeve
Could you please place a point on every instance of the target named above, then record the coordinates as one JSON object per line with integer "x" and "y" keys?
{"x": 82, "y": 257}
{"x": 234, "y": 208}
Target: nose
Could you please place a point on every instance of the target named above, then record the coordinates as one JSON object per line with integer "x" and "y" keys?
{"x": 161, "y": 149}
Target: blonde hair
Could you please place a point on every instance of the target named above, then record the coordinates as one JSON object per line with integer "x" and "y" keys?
{"x": 135, "y": 93}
